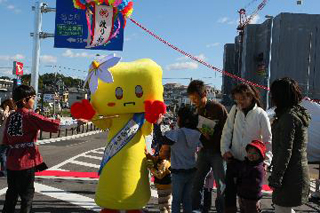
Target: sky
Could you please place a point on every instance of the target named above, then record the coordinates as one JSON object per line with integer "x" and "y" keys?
{"x": 201, "y": 29}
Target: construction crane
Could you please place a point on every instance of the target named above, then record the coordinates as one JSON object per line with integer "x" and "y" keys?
{"x": 244, "y": 20}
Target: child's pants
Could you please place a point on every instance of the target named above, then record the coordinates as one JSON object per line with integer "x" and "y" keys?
{"x": 281, "y": 209}
{"x": 181, "y": 190}
{"x": 20, "y": 183}
{"x": 249, "y": 206}
{"x": 230, "y": 191}
{"x": 164, "y": 200}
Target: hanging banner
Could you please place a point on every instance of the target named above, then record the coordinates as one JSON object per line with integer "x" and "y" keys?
{"x": 72, "y": 31}
{"x": 103, "y": 22}
{"x": 17, "y": 68}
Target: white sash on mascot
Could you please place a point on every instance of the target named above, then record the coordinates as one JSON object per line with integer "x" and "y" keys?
{"x": 122, "y": 138}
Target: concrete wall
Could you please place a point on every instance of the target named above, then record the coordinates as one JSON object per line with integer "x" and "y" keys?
{"x": 296, "y": 50}
{"x": 255, "y": 54}
{"x": 229, "y": 65}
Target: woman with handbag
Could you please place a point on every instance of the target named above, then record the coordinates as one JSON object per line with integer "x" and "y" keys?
{"x": 247, "y": 121}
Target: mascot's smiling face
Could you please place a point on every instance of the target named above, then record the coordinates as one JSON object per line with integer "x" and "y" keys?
{"x": 134, "y": 83}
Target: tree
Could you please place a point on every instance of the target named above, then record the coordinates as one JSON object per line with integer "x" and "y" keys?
{"x": 26, "y": 79}
{"x": 5, "y": 77}
{"x": 50, "y": 79}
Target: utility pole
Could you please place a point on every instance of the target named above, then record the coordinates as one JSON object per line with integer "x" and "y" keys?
{"x": 39, "y": 8}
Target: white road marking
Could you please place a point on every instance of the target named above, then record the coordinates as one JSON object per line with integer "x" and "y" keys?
{"x": 313, "y": 185}
{"x": 56, "y": 167}
{"x": 73, "y": 198}
{"x": 154, "y": 193}
{"x": 91, "y": 165}
{"x": 3, "y": 191}
{"x": 95, "y": 151}
{"x": 92, "y": 157}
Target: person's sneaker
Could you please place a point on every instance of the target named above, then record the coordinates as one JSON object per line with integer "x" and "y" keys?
{"x": 196, "y": 211}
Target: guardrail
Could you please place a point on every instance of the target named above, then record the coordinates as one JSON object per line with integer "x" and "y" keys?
{"x": 68, "y": 130}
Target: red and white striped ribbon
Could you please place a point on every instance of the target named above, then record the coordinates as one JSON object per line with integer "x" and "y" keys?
{"x": 197, "y": 59}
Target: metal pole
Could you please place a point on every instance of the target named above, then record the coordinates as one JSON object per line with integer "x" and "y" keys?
{"x": 269, "y": 65}
{"x": 309, "y": 63}
{"x": 36, "y": 48}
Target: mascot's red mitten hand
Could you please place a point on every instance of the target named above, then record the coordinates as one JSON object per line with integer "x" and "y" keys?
{"x": 82, "y": 110}
{"x": 153, "y": 109}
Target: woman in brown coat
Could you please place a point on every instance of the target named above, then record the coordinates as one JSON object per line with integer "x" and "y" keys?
{"x": 290, "y": 174}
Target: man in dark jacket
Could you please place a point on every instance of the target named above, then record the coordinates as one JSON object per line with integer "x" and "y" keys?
{"x": 209, "y": 156}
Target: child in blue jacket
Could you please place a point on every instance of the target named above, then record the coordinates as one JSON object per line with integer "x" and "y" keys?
{"x": 184, "y": 142}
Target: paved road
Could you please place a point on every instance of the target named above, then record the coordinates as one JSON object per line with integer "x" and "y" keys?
{"x": 75, "y": 194}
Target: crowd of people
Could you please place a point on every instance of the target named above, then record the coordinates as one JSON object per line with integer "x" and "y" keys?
{"x": 189, "y": 158}
{"x": 237, "y": 154}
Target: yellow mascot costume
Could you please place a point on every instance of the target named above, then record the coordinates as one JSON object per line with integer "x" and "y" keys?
{"x": 126, "y": 98}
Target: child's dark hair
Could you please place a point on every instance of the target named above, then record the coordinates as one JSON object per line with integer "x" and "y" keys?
{"x": 187, "y": 118}
{"x": 198, "y": 87}
{"x": 169, "y": 151}
{"x": 21, "y": 92}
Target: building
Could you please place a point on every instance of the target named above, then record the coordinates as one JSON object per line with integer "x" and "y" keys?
{"x": 255, "y": 54}
{"x": 296, "y": 50}
{"x": 175, "y": 94}
{"x": 76, "y": 94}
{"x": 229, "y": 65}
{"x": 294, "y": 41}
{"x": 5, "y": 89}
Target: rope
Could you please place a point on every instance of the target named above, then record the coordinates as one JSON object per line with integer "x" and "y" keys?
{"x": 197, "y": 59}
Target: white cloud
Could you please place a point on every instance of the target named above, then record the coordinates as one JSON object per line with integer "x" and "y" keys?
{"x": 183, "y": 58}
{"x": 226, "y": 20}
{"x": 131, "y": 37}
{"x": 5, "y": 71}
{"x": 184, "y": 65}
{"x": 213, "y": 45}
{"x": 201, "y": 56}
{"x": 255, "y": 19}
{"x": 223, "y": 20}
{"x": 48, "y": 59}
{"x": 11, "y": 7}
{"x": 233, "y": 22}
{"x": 69, "y": 54}
{"x": 26, "y": 71}
{"x": 11, "y": 58}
